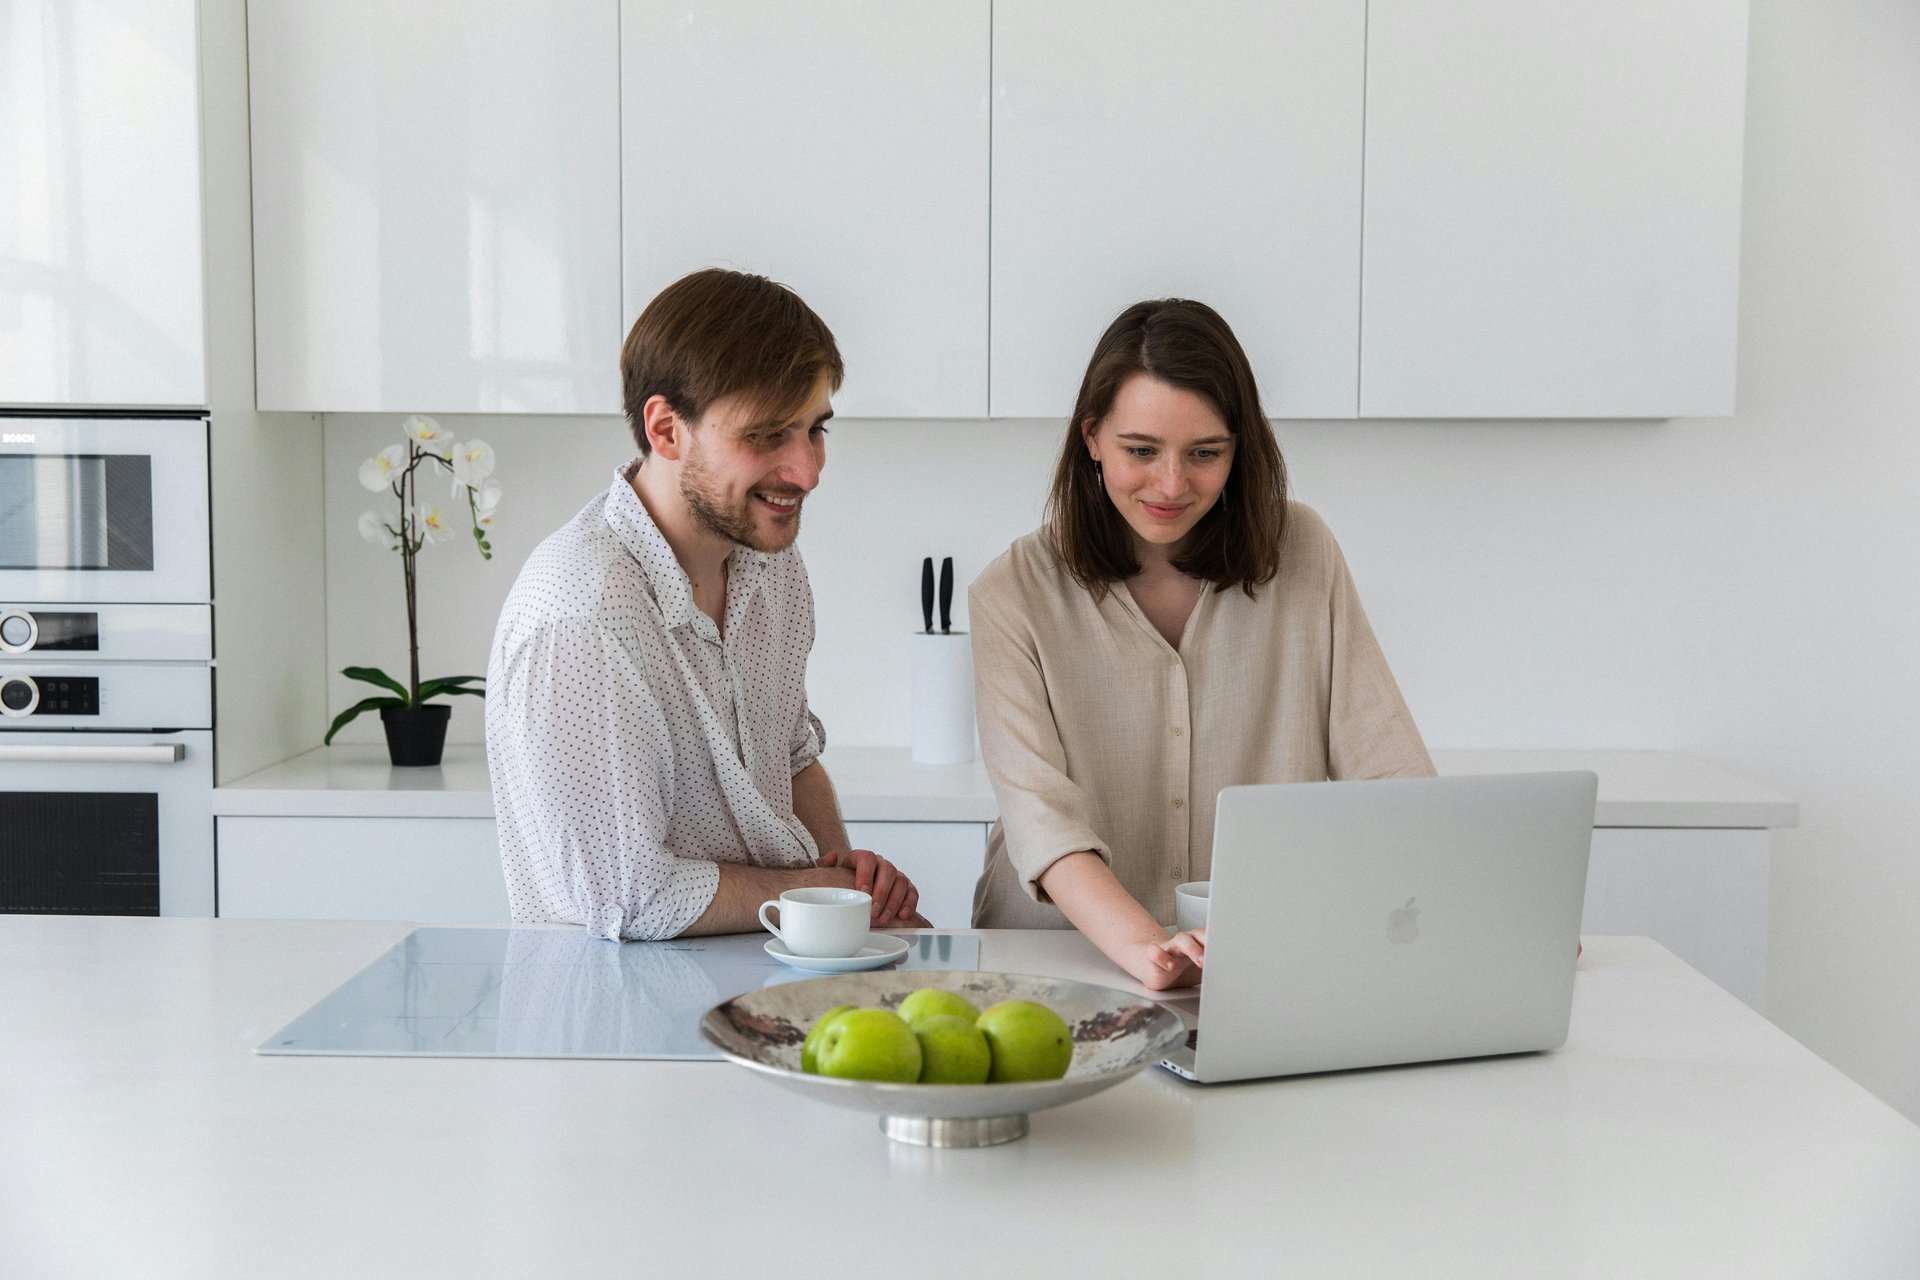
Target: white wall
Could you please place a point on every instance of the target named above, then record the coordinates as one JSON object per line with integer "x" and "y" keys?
{"x": 1741, "y": 588}
{"x": 269, "y": 615}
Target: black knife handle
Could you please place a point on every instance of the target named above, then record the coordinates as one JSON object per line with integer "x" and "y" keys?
{"x": 926, "y": 592}
{"x": 946, "y": 595}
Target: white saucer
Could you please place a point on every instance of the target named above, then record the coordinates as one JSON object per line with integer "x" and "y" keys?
{"x": 879, "y": 949}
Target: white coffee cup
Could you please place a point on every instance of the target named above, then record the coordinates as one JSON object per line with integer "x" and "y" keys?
{"x": 822, "y": 923}
{"x": 1190, "y": 904}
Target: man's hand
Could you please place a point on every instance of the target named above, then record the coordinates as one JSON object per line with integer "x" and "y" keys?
{"x": 894, "y": 897}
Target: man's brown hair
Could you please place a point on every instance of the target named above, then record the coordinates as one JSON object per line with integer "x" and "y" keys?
{"x": 1184, "y": 344}
{"x": 718, "y": 333}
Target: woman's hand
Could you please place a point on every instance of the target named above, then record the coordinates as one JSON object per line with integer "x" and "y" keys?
{"x": 1084, "y": 888}
{"x": 894, "y": 897}
{"x": 1177, "y": 962}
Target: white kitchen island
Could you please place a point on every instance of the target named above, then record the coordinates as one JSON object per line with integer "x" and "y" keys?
{"x": 1678, "y": 1134}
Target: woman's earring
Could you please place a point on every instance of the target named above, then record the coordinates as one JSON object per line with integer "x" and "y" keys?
{"x": 1097, "y": 473}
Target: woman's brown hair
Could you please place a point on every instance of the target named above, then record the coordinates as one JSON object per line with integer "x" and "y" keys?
{"x": 1183, "y": 344}
{"x": 718, "y": 333}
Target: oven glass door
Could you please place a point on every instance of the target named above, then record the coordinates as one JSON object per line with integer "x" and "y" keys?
{"x": 106, "y": 823}
{"x": 103, "y": 510}
{"x": 90, "y": 853}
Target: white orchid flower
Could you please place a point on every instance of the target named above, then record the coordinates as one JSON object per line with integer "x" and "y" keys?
{"x": 378, "y": 472}
{"x": 472, "y": 463}
{"x": 432, "y": 524}
{"x": 485, "y": 502}
{"x": 375, "y": 530}
{"x": 427, "y": 435}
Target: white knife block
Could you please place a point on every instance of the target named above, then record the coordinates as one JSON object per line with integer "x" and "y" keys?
{"x": 942, "y": 698}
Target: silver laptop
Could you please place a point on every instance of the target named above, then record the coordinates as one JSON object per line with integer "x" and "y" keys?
{"x": 1362, "y": 924}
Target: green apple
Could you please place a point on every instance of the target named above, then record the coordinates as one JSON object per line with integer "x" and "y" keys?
{"x": 952, "y": 1050}
{"x": 932, "y": 1002}
{"x": 810, "y": 1051}
{"x": 1029, "y": 1041}
{"x": 869, "y": 1044}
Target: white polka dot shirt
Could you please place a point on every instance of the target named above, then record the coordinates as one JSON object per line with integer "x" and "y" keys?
{"x": 633, "y": 748}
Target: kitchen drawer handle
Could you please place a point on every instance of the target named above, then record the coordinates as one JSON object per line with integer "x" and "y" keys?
{"x": 158, "y": 753}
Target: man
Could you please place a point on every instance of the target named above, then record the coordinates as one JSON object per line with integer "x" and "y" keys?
{"x": 653, "y": 757}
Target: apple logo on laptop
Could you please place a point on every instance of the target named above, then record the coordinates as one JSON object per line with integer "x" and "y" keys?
{"x": 1403, "y": 926}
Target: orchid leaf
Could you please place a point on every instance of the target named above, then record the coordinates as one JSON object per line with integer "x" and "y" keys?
{"x": 365, "y": 704}
{"x": 375, "y": 676}
{"x": 448, "y": 686}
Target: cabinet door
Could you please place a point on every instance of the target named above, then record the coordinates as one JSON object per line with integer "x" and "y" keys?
{"x": 1552, "y": 208}
{"x": 943, "y": 859}
{"x": 436, "y": 205}
{"x": 100, "y": 281}
{"x": 1142, "y": 150}
{"x": 431, "y": 870}
{"x": 838, "y": 146}
{"x": 1700, "y": 893}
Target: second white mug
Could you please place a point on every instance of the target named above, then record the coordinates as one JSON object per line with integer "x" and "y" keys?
{"x": 1190, "y": 901}
{"x": 822, "y": 923}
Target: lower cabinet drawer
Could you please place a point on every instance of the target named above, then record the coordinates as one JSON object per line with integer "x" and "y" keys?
{"x": 943, "y": 859}
{"x": 1700, "y": 893}
{"x": 433, "y": 870}
{"x": 447, "y": 870}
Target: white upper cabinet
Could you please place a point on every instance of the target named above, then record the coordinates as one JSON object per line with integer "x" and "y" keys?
{"x": 1144, "y": 149}
{"x": 436, "y": 210}
{"x": 1405, "y": 208}
{"x": 100, "y": 239}
{"x": 838, "y": 146}
{"x": 1552, "y": 208}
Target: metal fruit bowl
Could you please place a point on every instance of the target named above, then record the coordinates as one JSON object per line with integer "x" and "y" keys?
{"x": 1114, "y": 1036}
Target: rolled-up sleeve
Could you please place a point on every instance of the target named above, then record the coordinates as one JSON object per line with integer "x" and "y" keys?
{"x": 1370, "y": 732}
{"x": 582, "y": 754}
{"x": 809, "y": 740}
{"x": 1044, "y": 814}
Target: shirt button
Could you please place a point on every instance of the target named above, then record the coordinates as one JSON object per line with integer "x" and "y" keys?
{"x": 1177, "y": 802}
{"x": 1178, "y": 731}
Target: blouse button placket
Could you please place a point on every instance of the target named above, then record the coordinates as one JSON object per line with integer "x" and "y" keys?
{"x": 1180, "y": 759}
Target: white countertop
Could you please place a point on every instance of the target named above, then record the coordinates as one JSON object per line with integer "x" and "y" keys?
{"x": 1677, "y": 1134}
{"x": 882, "y": 784}
{"x": 357, "y": 782}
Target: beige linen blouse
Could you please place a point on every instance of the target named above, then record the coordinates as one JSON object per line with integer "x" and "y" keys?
{"x": 1097, "y": 734}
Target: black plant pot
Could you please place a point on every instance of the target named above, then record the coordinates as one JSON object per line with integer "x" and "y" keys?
{"x": 415, "y": 735}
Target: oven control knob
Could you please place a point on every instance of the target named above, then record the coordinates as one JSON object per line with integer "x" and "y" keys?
{"x": 18, "y": 632}
{"x": 19, "y": 695}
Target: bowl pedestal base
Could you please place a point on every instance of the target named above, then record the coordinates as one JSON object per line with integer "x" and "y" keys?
{"x": 931, "y": 1131}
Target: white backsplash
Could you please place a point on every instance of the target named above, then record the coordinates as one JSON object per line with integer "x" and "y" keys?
{"x": 1522, "y": 576}
{"x": 892, "y": 493}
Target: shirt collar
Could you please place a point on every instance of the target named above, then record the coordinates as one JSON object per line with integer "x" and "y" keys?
{"x": 672, "y": 590}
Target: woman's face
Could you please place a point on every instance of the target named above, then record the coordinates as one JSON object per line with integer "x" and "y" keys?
{"x": 1164, "y": 453}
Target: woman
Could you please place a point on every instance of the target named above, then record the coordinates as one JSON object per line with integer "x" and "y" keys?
{"x": 1176, "y": 627}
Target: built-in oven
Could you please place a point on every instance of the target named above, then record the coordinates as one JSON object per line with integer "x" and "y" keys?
{"x": 113, "y": 824}
{"x": 106, "y": 667}
{"x": 106, "y": 759}
{"x": 104, "y": 509}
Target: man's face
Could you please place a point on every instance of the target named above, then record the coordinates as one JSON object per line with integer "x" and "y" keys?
{"x": 745, "y": 479}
